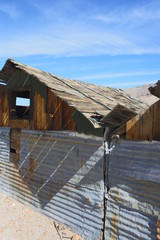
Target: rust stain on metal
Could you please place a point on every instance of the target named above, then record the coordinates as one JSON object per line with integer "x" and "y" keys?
{"x": 158, "y": 228}
{"x": 31, "y": 165}
{"x": 114, "y": 224}
{"x": 116, "y": 197}
{"x": 25, "y": 175}
{"x": 114, "y": 220}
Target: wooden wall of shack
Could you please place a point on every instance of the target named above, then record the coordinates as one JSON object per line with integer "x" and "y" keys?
{"x": 54, "y": 114}
{"x": 146, "y": 126}
{"x": 4, "y": 107}
{"x": 59, "y": 114}
{"x": 47, "y": 111}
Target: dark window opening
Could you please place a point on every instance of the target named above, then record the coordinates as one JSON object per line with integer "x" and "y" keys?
{"x": 20, "y": 105}
{"x": 12, "y": 150}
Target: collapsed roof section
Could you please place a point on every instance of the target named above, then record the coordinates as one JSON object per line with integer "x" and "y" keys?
{"x": 155, "y": 89}
{"x": 102, "y": 106}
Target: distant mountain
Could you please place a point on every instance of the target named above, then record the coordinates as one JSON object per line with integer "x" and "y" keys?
{"x": 142, "y": 94}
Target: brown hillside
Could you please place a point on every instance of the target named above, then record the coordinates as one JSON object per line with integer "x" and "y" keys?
{"x": 142, "y": 94}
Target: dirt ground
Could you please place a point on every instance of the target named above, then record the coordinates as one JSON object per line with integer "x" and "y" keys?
{"x": 18, "y": 222}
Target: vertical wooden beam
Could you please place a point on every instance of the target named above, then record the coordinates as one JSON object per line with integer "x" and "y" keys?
{"x": 1, "y": 112}
{"x": 35, "y": 111}
{"x": 6, "y": 111}
{"x": 15, "y": 136}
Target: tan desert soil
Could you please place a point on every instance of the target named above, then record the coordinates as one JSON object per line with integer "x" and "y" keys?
{"x": 142, "y": 94}
{"x": 18, "y": 222}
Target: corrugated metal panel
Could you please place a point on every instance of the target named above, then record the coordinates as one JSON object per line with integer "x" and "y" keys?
{"x": 4, "y": 152}
{"x": 133, "y": 202}
{"x": 4, "y": 144}
{"x": 61, "y": 174}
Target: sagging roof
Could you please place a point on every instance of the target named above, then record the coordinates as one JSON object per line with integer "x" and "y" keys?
{"x": 99, "y": 104}
{"x": 155, "y": 89}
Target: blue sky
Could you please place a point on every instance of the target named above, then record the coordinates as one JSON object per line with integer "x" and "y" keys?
{"x": 114, "y": 43}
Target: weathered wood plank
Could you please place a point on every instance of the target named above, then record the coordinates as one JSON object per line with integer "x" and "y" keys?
{"x": 67, "y": 120}
{"x": 5, "y": 109}
{"x": 59, "y": 114}
{"x": 39, "y": 114}
{"x": 43, "y": 115}
{"x": 145, "y": 127}
{"x": 1, "y": 112}
{"x": 35, "y": 111}
{"x": 15, "y": 134}
{"x": 20, "y": 123}
{"x": 129, "y": 128}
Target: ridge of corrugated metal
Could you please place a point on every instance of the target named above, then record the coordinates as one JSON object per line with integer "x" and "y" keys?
{"x": 133, "y": 199}
{"x": 61, "y": 175}
{"x": 4, "y": 151}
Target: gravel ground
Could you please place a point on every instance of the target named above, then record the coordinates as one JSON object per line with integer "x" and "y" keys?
{"x": 18, "y": 222}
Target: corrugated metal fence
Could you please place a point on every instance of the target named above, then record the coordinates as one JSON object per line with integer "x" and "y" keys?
{"x": 133, "y": 203}
{"x": 59, "y": 173}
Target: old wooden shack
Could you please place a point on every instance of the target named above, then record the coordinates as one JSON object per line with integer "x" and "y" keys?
{"x": 54, "y": 103}
{"x": 52, "y": 151}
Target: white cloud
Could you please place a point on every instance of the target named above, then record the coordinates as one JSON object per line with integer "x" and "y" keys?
{"x": 147, "y": 12}
{"x": 63, "y": 34}
{"x": 78, "y": 42}
{"x": 10, "y": 9}
{"x": 107, "y": 18}
{"x": 135, "y": 13}
{"x": 45, "y": 10}
{"x": 118, "y": 75}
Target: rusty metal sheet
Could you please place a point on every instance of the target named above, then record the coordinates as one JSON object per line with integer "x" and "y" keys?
{"x": 60, "y": 174}
{"x": 132, "y": 201}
